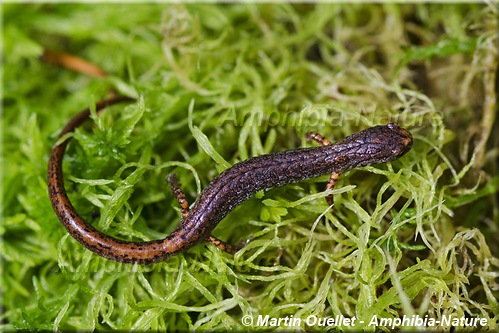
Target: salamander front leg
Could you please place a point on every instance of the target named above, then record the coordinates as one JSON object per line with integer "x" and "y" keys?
{"x": 323, "y": 141}
{"x": 179, "y": 195}
{"x": 330, "y": 185}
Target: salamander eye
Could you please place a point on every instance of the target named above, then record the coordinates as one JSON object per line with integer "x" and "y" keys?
{"x": 396, "y": 151}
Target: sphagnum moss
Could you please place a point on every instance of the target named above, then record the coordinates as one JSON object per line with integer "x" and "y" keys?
{"x": 414, "y": 237}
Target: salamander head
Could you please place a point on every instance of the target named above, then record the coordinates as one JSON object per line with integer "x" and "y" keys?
{"x": 399, "y": 139}
{"x": 378, "y": 144}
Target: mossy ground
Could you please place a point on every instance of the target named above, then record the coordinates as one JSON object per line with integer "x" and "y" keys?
{"x": 216, "y": 85}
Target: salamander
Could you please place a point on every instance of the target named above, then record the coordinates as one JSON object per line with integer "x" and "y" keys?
{"x": 378, "y": 144}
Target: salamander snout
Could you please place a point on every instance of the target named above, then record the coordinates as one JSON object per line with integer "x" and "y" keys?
{"x": 399, "y": 139}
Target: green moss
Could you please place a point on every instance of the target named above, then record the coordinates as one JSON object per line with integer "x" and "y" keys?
{"x": 218, "y": 84}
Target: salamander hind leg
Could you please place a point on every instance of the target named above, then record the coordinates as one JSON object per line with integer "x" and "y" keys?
{"x": 222, "y": 245}
{"x": 226, "y": 247}
{"x": 179, "y": 195}
{"x": 323, "y": 141}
